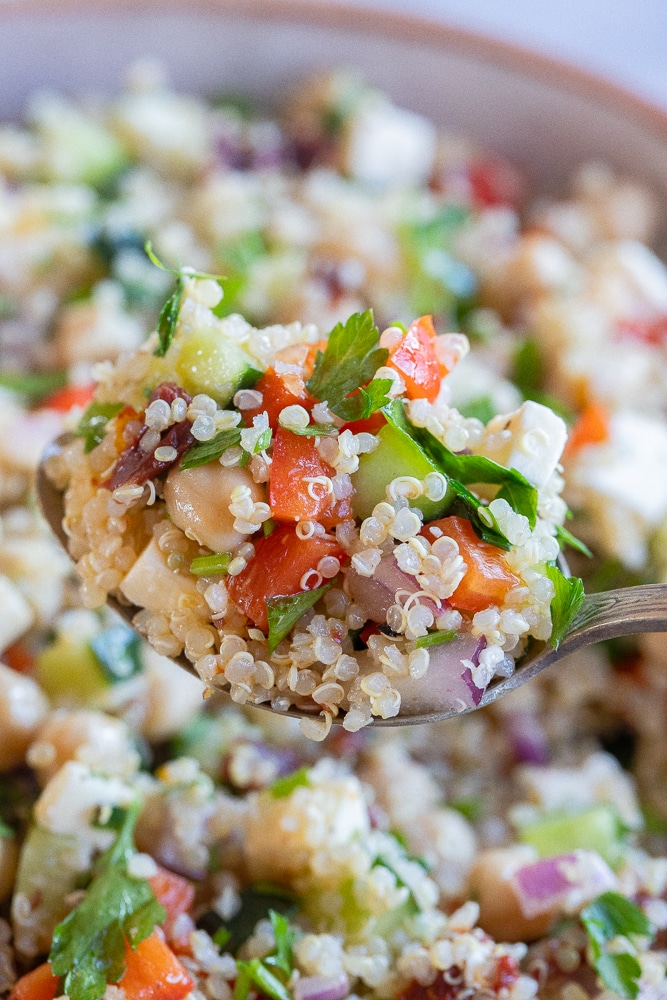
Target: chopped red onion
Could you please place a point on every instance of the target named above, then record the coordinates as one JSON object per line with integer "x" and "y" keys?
{"x": 527, "y": 738}
{"x": 566, "y": 882}
{"x": 448, "y": 685}
{"x": 376, "y": 594}
{"x": 321, "y": 987}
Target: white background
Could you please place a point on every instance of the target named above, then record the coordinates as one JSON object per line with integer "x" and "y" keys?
{"x": 623, "y": 40}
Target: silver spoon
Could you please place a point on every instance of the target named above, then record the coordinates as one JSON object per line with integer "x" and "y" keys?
{"x": 608, "y": 615}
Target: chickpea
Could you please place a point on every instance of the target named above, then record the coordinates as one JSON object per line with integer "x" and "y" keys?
{"x": 198, "y": 503}
{"x": 23, "y": 707}
{"x": 500, "y": 913}
{"x": 93, "y": 738}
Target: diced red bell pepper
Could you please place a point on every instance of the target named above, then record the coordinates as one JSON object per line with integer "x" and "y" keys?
{"x": 277, "y": 568}
{"x": 153, "y": 972}
{"x": 177, "y": 895}
{"x": 39, "y": 984}
{"x": 68, "y": 397}
{"x": 488, "y": 578}
{"x": 294, "y": 459}
{"x": 416, "y": 362}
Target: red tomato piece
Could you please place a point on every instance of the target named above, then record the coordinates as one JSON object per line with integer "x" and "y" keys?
{"x": 368, "y": 425}
{"x": 495, "y": 181}
{"x": 648, "y": 331}
{"x": 278, "y": 391}
{"x": 68, "y": 397}
{"x": 40, "y": 984}
{"x": 153, "y": 972}
{"x": 488, "y": 578}
{"x": 277, "y": 568}
{"x": 416, "y": 362}
{"x": 295, "y": 459}
{"x": 591, "y": 427}
{"x": 177, "y": 895}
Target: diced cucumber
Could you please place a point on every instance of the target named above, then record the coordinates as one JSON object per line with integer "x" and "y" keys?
{"x": 209, "y": 362}
{"x": 597, "y": 829}
{"x": 77, "y": 148}
{"x": 69, "y": 667}
{"x": 49, "y": 870}
{"x": 397, "y": 455}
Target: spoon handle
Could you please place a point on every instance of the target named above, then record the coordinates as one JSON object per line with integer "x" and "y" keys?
{"x": 618, "y": 612}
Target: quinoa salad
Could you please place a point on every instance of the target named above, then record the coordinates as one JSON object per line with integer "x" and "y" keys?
{"x": 338, "y": 477}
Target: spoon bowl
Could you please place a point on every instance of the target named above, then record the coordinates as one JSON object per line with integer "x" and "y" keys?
{"x": 607, "y": 615}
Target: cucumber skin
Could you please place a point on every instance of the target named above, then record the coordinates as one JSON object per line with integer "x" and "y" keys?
{"x": 397, "y": 455}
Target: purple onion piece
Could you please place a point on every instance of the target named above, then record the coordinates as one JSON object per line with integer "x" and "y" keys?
{"x": 321, "y": 987}
{"x": 566, "y": 882}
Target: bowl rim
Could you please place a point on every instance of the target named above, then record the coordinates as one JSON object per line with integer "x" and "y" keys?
{"x": 392, "y": 24}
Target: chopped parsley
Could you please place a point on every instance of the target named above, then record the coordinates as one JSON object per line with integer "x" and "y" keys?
{"x": 565, "y": 604}
{"x": 314, "y": 430}
{"x": 283, "y": 612}
{"x": 260, "y": 972}
{"x": 204, "y": 452}
{"x": 88, "y": 949}
{"x": 350, "y": 360}
{"x": 93, "y": 423}
{"x": 367, "y": 401}
{"x": 565, "y": 537}
{"x": 284, "y": 787}
{"x": 257, "y": 903}
{"x": 35, "y": 386}
{"x": 213, "y": 565}
{"x": 607, "y": 918}
{"x": 168, "y": 318}
{"x": 435, "y": 638}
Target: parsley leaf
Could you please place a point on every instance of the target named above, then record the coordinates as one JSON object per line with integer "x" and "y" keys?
{"x": 207, "y": 451}
{"x": 93, "y": 423}
{"x": 255, "y": 972}
{"x": 88, "y": 947}
{"x": 606, "y": 918}
{"x": 565, "y": 604}
{"x": 365, "y": 402}
{"x": 283, "y": 612}
{"x": 314, "y": 430}
{"x": 351, "y": 359}
{"x": 168, "y": 318}
{"x": 565, "y": 537}
{"x": 283, "y": 956}
{"x": 283, "y": 787}
{"x": 118, "y": 652}
{"x": 519, "y": 493}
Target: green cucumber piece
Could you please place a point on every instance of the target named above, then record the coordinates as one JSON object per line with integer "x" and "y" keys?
{"x": 597, "y": 828}
{"x": 209, "y": 362}
{"x": 69, "y": 667}
{"x": 398, "y": 454}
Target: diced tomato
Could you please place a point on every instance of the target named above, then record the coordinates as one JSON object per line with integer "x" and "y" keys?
{"x": 369, "y": 425}
{"x": 488, "y": 578}
{"x": 177, "y": 895}
{"x": 367, "y": 631}
{"x": 277, "y": 568}
{"x": 507, "y": 973}
{"x": 416, "y": 362}
{"x": 495, "y": 181}
{"x": 278, "y": 391}
{"x": 439, "y": 989}
{"x": 153, "y": 972}
{"x": 19, "y": 657}
{"x": 40, "y": 984}
{"x": 591, "y": 427}
{"x": 68, "y": 397}
{"x": 294, "y": 460}
{"x": 648, "y": 331}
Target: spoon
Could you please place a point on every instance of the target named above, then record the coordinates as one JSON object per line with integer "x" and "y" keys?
{"x": 607, "y": 615}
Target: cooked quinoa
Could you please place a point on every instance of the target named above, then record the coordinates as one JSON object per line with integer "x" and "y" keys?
{"x": 516, "y": 852}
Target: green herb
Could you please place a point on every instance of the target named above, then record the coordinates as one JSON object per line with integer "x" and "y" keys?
{"x": 93, "y": 423}
{"x": 567, "y": 538}
{"x": 257, "y": 902}
{"x": 221, "y": 937}
{"x": 8, "y": 307}
{"x": 283, "y": 955}
{"x": 470, "y": 808}
{"x": 365, "y": 402}
{"x": 351, "y": 359}
{"x": 435, "y": 639}
{"x": 35, "y": 385}
{"x": 268, "y": 527}
{"x": 284, "y": 612}
{"x": 608, "y": 917}
{"x": 315, "y": 430}
{"x": 216, "y": 564}
{"x": 208, "y": 451}
{"x": 528, "y": 376}
{"x": 255, "y": 972}
{"x": 168, "y": 318}
{"x": 515, "y": 488}
{"x": 263, "y": 441}
{"x": 118, "y": 651}
{"x": 283, "y": 787}
{"x": 236, "y": 258}
{"x": 567, "y": 600}
{"x": 481, "y": 408}
{"x": 88, "y": 948}
{"x": 6, "y": 832}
